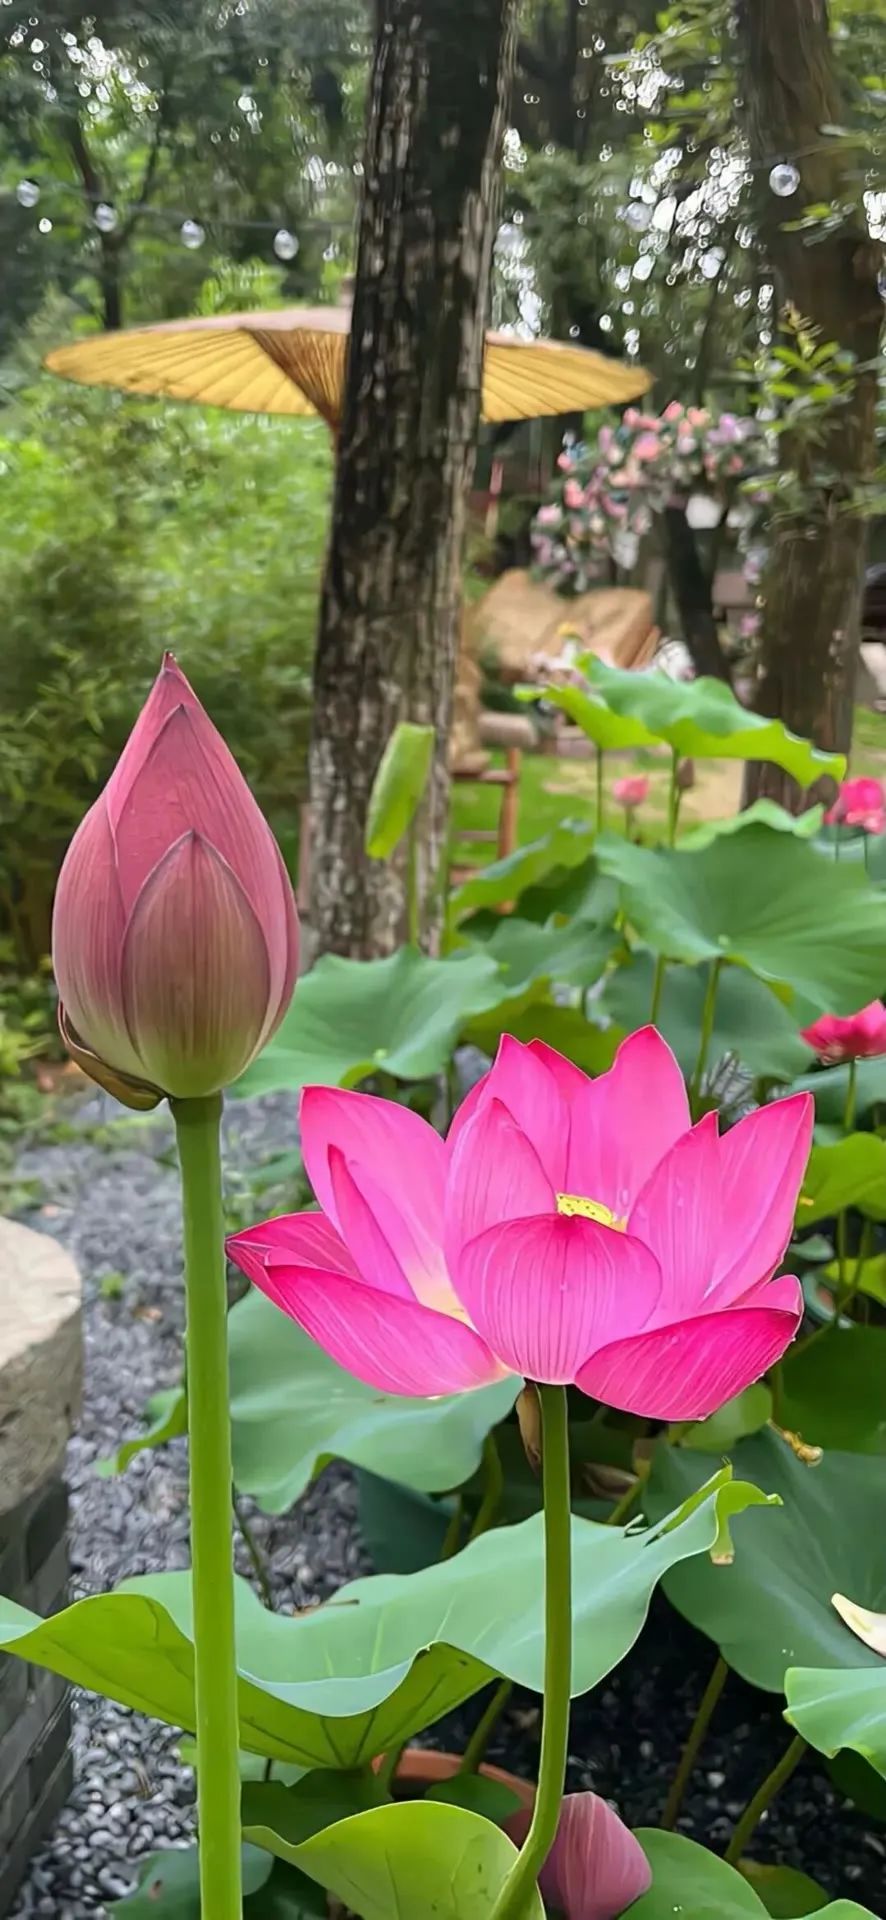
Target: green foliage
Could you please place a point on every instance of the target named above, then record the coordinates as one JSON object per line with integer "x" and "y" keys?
{"x": 762, "y": 900}
{"x": 390, "y": 1654}
{"x": 703, "y": 720}
{"x": 840, "y": 1708}
{"x": 850, "y": 1173}
{"x": 688, "y": 1879}
{"x": 351, "y": 1018}
{"x": 126, "y": 529}
{"x": 416, "y": 1857}
{"x": 772, "y": 1609}
{"x": 398, "y": 788}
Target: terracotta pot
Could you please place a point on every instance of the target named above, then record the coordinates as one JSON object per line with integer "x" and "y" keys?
{"x": 423, "y": 1766}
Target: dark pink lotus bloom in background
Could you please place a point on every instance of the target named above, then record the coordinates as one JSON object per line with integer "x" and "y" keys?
{"x": 174, "y": 935}
{"x": 631, "y": 791}
{"x": 573, "y": 1231}
{"x": 595, "y": 1868}
{"x": 859, "y": 803}
{"x": 859, "y": 1036}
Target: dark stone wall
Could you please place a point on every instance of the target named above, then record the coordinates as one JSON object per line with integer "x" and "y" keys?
{"x": 35, "y": 1715}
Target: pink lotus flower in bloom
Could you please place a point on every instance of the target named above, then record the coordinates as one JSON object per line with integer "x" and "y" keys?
{"x": 859, "y": 803}
{"x": 860, "y": 1036}
{"x": 595, "y": 1868}
{"x": 174, "y": 936}
{"x": 631, "y": 791}
{"x": 569, "y": 1230}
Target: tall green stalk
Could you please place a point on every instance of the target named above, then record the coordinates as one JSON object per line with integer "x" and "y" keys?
{"x": 707, "y": 1028}
{"x": 763, "y": 1798}
{"x": 851, "y": 1098}
{"x": 514, "y": 1897}
{"x": 598, "y": 755}
{"x": 197, "y": 1125}
{"x": 673, "y": 797}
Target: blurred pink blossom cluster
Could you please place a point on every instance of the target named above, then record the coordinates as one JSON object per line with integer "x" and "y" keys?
{"x": 635, "y": 470}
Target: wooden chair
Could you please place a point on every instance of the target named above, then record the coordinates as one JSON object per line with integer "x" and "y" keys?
{"x": 503, "y": 836}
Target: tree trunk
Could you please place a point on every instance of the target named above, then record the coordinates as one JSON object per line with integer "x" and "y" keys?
{"x": 809, "y": 641}
{"x": 391, "y": 607}
{"x": 692, "y": 590}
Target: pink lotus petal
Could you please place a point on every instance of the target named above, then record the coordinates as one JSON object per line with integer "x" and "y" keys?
{"x": 524, "y": 1084}
{"x": 494, "y": 1174}
{"x": 678, "y": 1215}
{"x": 88, "y": 924}
{"x": 177, "y": 776}
{"x": 687, "y": 1370}
{"x": 389, "y": 1343}
{"x": 379, "y": 1239}
{"x": 306, "y": 1239}
{"x": 195, "y": 972}
{"x": 762, "y": 1162}
{"x": 626, "y": 1121}
{"x": 855, "y": 1036}
{"x": 545, "y": 1292}
{"x": 595, "y": 1869}
{"x": 401, "y": 1155}
{"x": 570, "y": 1078}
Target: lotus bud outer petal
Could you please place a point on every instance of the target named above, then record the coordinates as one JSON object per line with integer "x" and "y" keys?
{"x": 195, "y": 973}
{"x": 131, "y": 1093}
{"x": 595, "y": 1869}
{"x": 88, "y": 925}
{"x": 132, "y": 948}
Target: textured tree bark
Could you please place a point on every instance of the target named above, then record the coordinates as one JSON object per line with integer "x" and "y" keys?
{"x": 391, "y": 604}
{"x": 813, "y": 585}
{"x": 692, "y": 589}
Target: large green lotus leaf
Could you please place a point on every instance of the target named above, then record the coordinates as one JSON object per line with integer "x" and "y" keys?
{"x": 839, "y": 1709}
{"x": 784, "y": 1891}
{"x": 771, "y": 1609}
{"x": 761, "y": 899}
{"x": 388, "y": 1655}
{"x": 749, "y": 1020}
{"x": 168, "y": 1884}
{"x": 830, "y": 1086}
{"x": 567, "y": 845}
{"x": 869, "y": 1276}
{"x": 850, "y": 1173}
{"x": 834, "y": 1389}
{"x": 575, "y": 954}
{"x": 766, "y": 813}
{"x": 603, "y": 724}
{"x": 411, "y": 1860}
{"x": 703, "y": 720}
{"x": 398, "y": 787}
{"x": 686, "y": 1879}
{"x": 867, "y": 850}
{"x": 293, "y": 1410}
{"x": 351, "y": 1018}
{"x": 564, "y": 1028}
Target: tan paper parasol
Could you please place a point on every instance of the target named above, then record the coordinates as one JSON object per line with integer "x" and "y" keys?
{"x": 294, "y": 363}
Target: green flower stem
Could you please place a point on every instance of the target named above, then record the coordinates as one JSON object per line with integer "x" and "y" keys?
{"x": 452, "y": 1536}
{"x": 493, "y": 1488}
{"x": 413, "y": 900}
{"x": 756, "y": 1808}
{"x": 673, "y": 797}
{"x": 625, "y": 1505}
{"x": 475, "y": 1751}
{"x": 514, "y": 1897}
{"x": 851, "y": 1092}
{"x": 598, "y": 751}
{"x": 256, "y": 1556}
{"x": 690, "y": 1752}
{"x": 707, "y": 1028}
{"x": 215, "y": 1670}
{"x": 657, "y": 988}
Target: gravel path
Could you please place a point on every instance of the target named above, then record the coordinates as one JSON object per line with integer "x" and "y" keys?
{"x": 115, "y": 1205}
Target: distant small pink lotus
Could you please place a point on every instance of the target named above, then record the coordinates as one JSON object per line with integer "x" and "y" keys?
{"x": 573, "y": 1231}
{"x": 860, "y": 1036}
{"x": 859, "y": 803}
{"x": 631, "y": 791}
{"x": 595, "y": 1869}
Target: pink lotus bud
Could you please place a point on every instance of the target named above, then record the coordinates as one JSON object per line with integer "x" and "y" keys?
{"x": 631, "y": 791}
{"x": 175, "y": 935}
